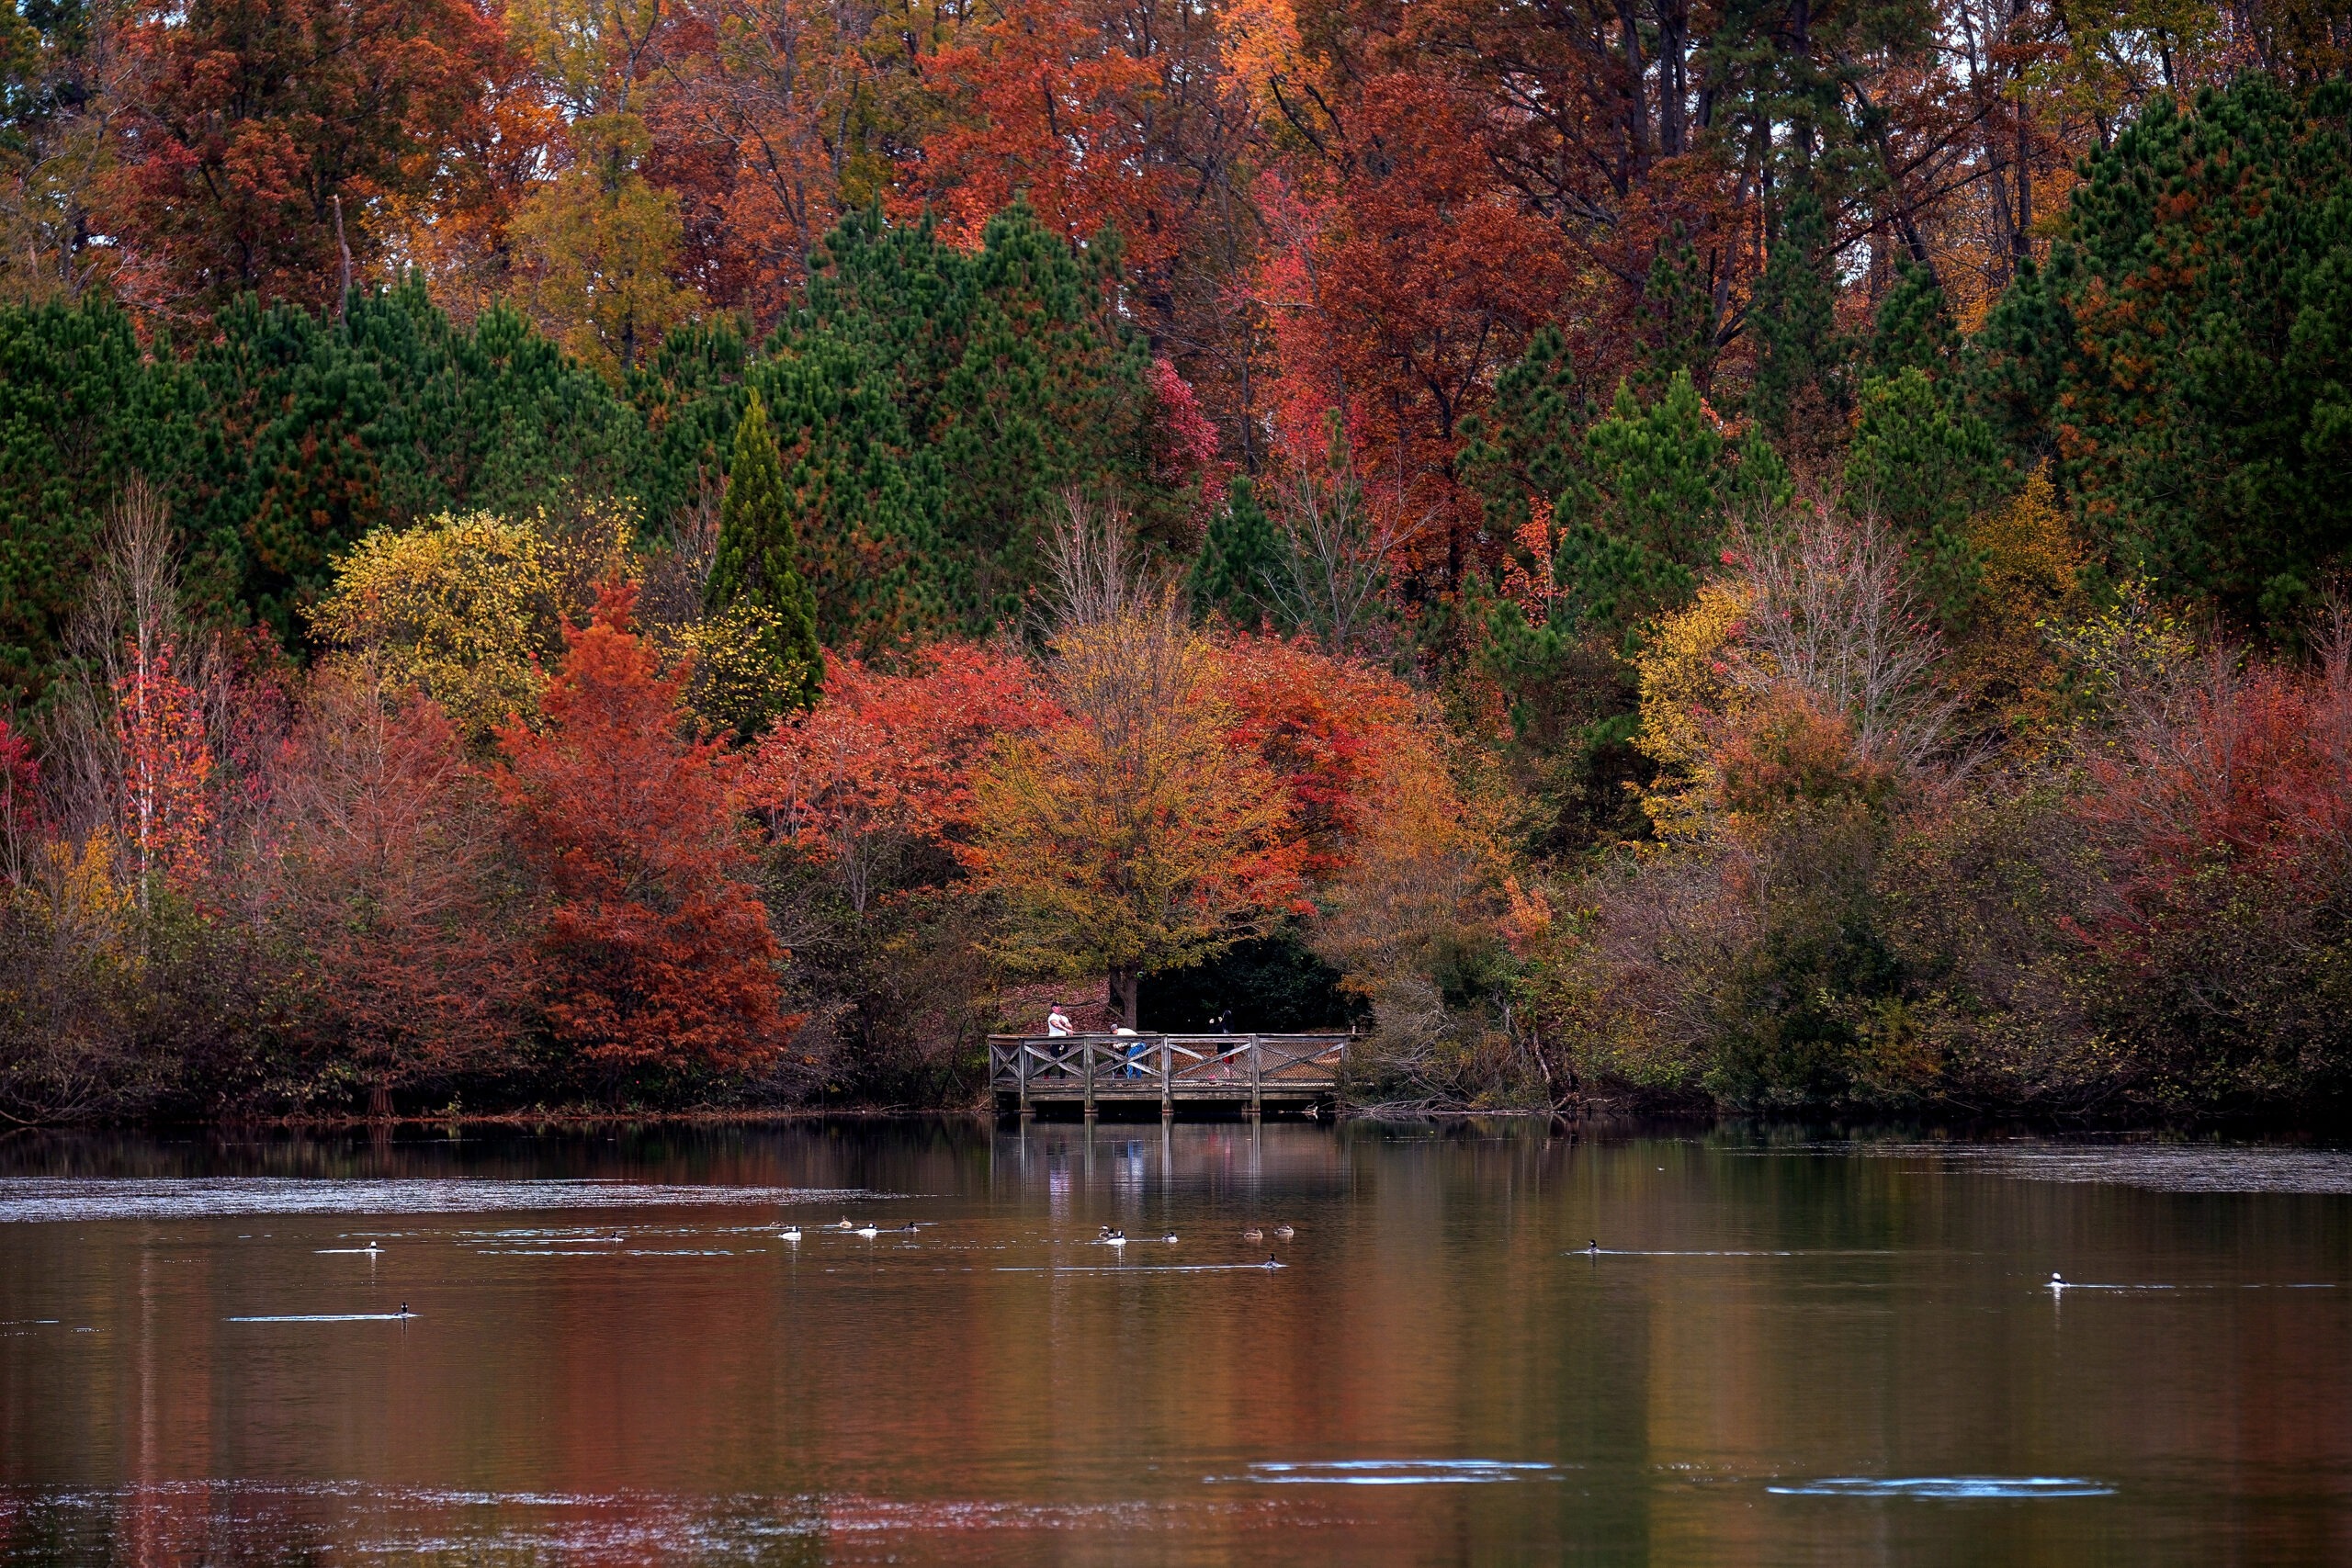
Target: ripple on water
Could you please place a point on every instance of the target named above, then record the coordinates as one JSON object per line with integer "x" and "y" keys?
{"x": 2157, "y": 1167}
{"x": 217, "y": 1521}
{"x": 1393, "y": 1472}
{"x": 1962, "y": 1487}
{"x": 32, "y": 1199}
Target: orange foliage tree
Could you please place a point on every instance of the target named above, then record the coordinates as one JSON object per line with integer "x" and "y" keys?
{"x": 1398, "y": 280}
{"x": 1058, "y": 111}
{"x": 1324, "y": 727}
{"x": 657, "y": 952}
{"x": 761, "y": 116}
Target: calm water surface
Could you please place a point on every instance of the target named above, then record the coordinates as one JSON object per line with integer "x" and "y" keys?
{"x": 1784, "y": 1351}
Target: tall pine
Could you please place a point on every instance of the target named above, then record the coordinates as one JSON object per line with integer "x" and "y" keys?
{"x": 1233, "y": 575}
{"x": 1008, "y": 369}
{"x": 755, "y": 578}
{"x": 1800, "y": 391}
{"x": 2185, "y": 353}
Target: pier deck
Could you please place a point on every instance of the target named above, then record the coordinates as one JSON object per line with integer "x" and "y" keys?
{"x": 1249, "y": 1071}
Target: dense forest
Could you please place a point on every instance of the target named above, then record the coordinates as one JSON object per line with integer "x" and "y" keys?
{"x": 699, "y": 553}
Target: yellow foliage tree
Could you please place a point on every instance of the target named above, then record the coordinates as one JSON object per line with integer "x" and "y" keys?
{"x": 597, "y": 243}
{"x": 1135, "y": 836}
{"x": 1691, "y": 690}
{"x": 2026, "y": 579}
{"x": 1426, "y": 881}
{"x": 465, "y": 609}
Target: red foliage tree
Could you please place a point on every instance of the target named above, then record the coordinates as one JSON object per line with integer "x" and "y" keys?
{"x": 21, "y": 805}
{"x": 887, "y": 761}
{"x": 1398, "y": 279}
{"x": 1057, "y": 109}
{"x": 759, "y": 109}
{"x": 252, "y": 121}
{"x": 167, "y": 767}
{"x": 2249, "y": 773}
{"x": 390, "y": 873}
{"x": 1323, "y": 726}
{"x": 657, "y": 953}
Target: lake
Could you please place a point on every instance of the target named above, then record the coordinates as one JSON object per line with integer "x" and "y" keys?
{"x": 1784, "y": 1351}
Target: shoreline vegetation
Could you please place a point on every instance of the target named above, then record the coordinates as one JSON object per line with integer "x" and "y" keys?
{"x": 1803, "y": 638}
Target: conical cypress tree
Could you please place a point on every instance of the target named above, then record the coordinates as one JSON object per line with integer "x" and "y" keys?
{"x": 756, "y": 570}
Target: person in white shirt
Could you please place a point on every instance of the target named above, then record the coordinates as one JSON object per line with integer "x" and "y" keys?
{"x": 1057, "y": 1022}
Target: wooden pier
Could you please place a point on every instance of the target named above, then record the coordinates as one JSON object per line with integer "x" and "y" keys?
{"x": 1253, "y": 1073}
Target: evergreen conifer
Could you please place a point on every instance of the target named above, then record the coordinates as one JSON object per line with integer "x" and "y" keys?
{"x": 757, "y": 565}
{"x": 2185, "y": 352}
{"x": 1799, "y": 392}
{"x": 1233, "y": 573}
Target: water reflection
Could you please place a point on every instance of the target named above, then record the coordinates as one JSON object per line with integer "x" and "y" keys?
{"x": 1477, "y": 1347}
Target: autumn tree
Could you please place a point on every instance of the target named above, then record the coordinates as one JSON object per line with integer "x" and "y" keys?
{"x": 1323, "y": 725}
{"x": 595, "y": 243}
{"x": 656, "y": 955}
{"x": 21, "y": 808}
{"x": 460, "y": 610}
{"x": 389, "y": 871}
{"x": 1056, "y": 110}
{"x": 1133, "y": 837}
{"x": 270, "y": 145}
{"x": 136, "y": 735}
{"x": 55, "y": 146}
{"x": 764, "y": 114}
{"x": 886, "y": 764}
{"x": 2028, "y": 567}
{"x": 755, "y": 576}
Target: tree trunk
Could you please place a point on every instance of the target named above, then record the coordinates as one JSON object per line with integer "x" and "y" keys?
{"x": 1126, "y": 986}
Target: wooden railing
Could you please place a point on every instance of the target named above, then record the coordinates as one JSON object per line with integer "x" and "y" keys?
{"x": 1229, "y": 1068}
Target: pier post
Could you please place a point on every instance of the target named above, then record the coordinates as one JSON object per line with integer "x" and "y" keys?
{"x": 1166, "y": 1085}
{"x": 1257, "y": 1078}
{"x": 1088, "y": 1049}
{"x": 1024, "y": 1077}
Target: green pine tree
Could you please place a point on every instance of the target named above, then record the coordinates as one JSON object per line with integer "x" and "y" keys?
{"x": 1008, "y": 369}
{"x": 1233, "y": 574}
{"x": 82, "y": 410}
{"x": 1680, "y": 308}
{"x": 2206, "y": 422}
{"x": 757, "y": 563}
{"x": 1799, "y": 394}
{"x": 1925, "y": 470}
{"x": 1914, "y": 329}
{"x": 1528, "y": 445}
